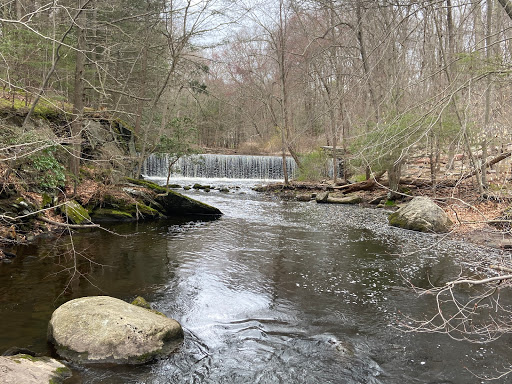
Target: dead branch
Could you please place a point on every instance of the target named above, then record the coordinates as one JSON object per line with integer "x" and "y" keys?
{"x": 362, "y": 185}
{"x": 489, "y": 163}
{"x": 65, "y": 225}
{"x": 500, "y": 268}
{"x": 478, "y": 282}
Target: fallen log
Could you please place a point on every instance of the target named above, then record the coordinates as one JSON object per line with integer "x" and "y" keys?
{"x": 365, "y": 185}
{"x": 489, "y": 163}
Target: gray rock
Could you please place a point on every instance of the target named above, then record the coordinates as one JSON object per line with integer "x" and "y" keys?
{"x": 421, "y": 214}
{"x": 304, "y": 197}
{"x": 349, "y": 199}
{"x": 26, "y": 369}
{"x": 176, "y": 204}
{"x": 102, "y": 329}
{"x": 322, "y": 197}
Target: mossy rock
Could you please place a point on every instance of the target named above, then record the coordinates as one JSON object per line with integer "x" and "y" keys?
{"x": 27, "y": 369}
{"x": 101, "y": 329}
{"x": 143, "y": 210}
{"x": 176, "y": 204}
{"x": 139, "y": 301}
{"x": 106, "y": 215}
{"x": 147, "y": 184}
{"x": 423, "y": 215}
{"x": 74, "y": 212}
{"x": 47, "y": 200}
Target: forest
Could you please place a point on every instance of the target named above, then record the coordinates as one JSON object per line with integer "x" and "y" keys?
{"x": 388, "y": 83}
{"x": 389, "y": 99}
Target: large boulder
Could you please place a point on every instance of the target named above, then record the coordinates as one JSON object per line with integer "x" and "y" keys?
{"x": 102, "y": 329}
{"x": 421, "y": 214}
{"x": 32, "y": 370}
{"x": 176, "y": 204}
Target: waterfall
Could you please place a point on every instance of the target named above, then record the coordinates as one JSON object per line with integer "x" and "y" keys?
{"x": 221, "y": 166}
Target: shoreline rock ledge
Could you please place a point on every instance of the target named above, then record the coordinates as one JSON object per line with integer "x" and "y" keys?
{"x": 102, "y": 329}
{"x": 27, "y": 369}
{"x": 423, "y": 215}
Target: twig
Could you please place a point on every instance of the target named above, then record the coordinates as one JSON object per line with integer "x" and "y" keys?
{"x": 479, "y": 282}
{"x": 66, "y": 225}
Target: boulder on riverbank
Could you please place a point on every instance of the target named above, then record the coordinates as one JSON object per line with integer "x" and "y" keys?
{"x": 32, "y": 370}
{"x": 344, "y": 199}
{"x": 102, "y": 329}
{"x": 423, "y": 215}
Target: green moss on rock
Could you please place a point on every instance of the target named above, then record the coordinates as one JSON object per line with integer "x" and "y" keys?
{"x": 105, "y": 214}
{"x": 148, "y": 184}
{"x": 74, "y": 212}
{"x": 139, "y": 301}
{"x": 176, "y": 204}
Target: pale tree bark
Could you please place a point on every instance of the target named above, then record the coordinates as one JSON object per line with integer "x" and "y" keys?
{"x": 78, "y": 95}
{"x": 366, "y": 70}
{"x": 487, "y": 113}
{"x": 281, "y": 61}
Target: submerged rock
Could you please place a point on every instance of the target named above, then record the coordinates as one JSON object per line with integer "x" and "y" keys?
{"x": 176, "y": 204}
{"x": 102, "y": 329}
{"x": 421, "y": 214}
{"x": 27, "y": 369}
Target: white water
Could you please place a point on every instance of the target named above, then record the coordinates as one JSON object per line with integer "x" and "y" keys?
{"x": 221, "y": 166}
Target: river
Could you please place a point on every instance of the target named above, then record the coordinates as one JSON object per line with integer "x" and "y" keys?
{"x": 272, "y": 292}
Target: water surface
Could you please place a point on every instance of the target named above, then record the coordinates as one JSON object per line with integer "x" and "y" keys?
{"x": 272, "y": 292}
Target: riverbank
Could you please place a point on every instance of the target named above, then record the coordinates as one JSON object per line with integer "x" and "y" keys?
{"x": 27, "y": 216}
{"x": 479, "y": 221}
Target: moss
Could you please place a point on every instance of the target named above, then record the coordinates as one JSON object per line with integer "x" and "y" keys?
{"x": 75, "y": 212}
{"x": 105, "y": 214}
{"x": 390, "y": 203}
{"x": 146, "y": 357}
{"x": 148, "y": 184}
{"x": 28, "y": 357}
{"x": 62, "y": 370}
{"x": 47, "y": 200}
{"x": 141, "y": 302}
{"x": 145, "y": 210}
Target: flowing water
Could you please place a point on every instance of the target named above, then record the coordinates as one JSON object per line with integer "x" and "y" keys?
{"x": 272, "y": 292}
{"x": 222, "y": 166}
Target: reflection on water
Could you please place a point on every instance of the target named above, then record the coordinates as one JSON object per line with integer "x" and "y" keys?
{"x": 272, "y": 292}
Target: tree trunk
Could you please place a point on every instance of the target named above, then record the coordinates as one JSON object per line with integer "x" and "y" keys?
{"x": 78, "y": 96}
{"x": 487, "y": 113}
{"x": 394, "y": 173}
{"x": 507, "y": 6}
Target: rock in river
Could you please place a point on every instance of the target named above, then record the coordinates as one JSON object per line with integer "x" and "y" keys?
{"x": 32, "y": 370}
{"x": 421, "y": 214}
{"x": 102, "y": 329}
{"x": 176, "y": 204}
